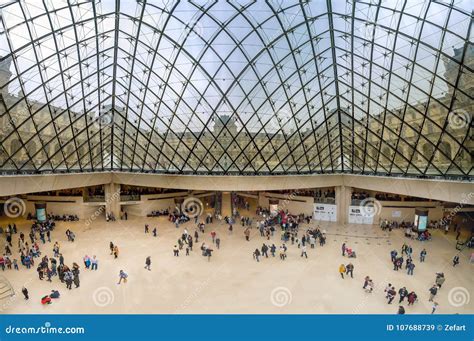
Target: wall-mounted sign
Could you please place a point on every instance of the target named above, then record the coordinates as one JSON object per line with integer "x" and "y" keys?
{"x": 325, "y": 212}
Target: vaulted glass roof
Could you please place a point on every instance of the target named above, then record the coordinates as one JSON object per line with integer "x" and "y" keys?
{"x": 237, "y": 87}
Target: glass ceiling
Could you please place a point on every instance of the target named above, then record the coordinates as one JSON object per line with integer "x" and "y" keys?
{"x": 237, "y": 87}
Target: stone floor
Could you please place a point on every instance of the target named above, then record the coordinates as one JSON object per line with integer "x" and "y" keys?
{"x": 232, "y": 282}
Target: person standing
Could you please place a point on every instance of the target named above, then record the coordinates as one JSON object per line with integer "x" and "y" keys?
{"x": 343, "y": 247}
{"x": 342, "y": 270}
{"x": 403, "y": 292}
{"x": 218, "y": 243}
{"x": 146, "y": 228}
{"x": 176, "y": 251}
{"x": 401, "y": 310}
{"x": 111, "y": 246}
{"x": 148, "y": 263}
{"x": 25, "y": 293}
{"x": 350, "y": 269}
{"x": 303, "y": 251}
{"x": 273, "y": 250}
{"x": 94, "y": 263}
{"x": 422, "y": 255}
{"x": 196, "y": 236}
{"x": 455, "y": 260}
{"x": 411, "y": 267}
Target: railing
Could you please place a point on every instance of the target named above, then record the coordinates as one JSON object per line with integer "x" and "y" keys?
{"x": 325, "y": 200}
{"x": 130, "y": 197}
{"x": 95, "y": 198}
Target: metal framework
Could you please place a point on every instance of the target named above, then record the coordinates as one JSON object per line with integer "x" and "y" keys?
{"x": 237, "y": 87}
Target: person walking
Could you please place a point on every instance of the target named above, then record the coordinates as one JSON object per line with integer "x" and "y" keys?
{"x": 154, "y": 232}
{"x": 247, "y": 234}
{"x": 122, "y": 275}
{"x": 264, "y": 250}
{"x": 343, "y": 247}
{"x": 116, "y": 252}
{"x": 435, "y": 306}
{"x": 147, "y": 230}
{"x": 401, "y": 310}
{"x": 25, "y": 293}
{"x": 433, "y": 291}
{"x": 218, "y": 243}
{"x": 412, "y": 298}
{"x": 273, "y": 250}
{"x": 342, "y": 270}
{"x": 111, "y": 246}
{"x": 350, "y": 269}
{"x": 440, "y": 280}
{"x": 391, "y": 293}
{"x": 422, "y": 255}
{"x": 455, "y": 260}
{"x": 303, "y": 251}
{"x": 256, "y": 255}
{"x": 148, "y": 263}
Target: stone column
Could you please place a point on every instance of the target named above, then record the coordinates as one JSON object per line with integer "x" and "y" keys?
{"x": 112, "y": 199}
{"x": 343, "y": 201}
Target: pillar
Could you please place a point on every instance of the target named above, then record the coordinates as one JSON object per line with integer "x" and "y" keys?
{"x": 343, "y": 201}
{"x": 112, "y": 199}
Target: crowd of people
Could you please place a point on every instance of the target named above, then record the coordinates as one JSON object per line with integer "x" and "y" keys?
{"x": 287, "y": 228}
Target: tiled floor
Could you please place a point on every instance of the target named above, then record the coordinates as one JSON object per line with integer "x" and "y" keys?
{"x": 232, "y": 282}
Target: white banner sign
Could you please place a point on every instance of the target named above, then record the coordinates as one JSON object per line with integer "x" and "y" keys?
{"x": 359, "y": 215}
{"x": 325, "y": 212}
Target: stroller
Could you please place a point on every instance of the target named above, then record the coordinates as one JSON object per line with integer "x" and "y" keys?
{"x": 351, "y": 253}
